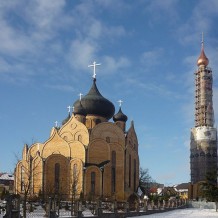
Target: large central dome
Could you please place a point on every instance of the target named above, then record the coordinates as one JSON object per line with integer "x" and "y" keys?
{"x": 95, "y": 104}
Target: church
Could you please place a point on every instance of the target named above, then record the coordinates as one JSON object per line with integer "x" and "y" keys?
{"x": 203, "y": 143}
{"x": 89, "y": 156}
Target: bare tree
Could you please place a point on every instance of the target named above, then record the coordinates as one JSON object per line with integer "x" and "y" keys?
{"x": 75, "y": 186}
{"x": 145, "y": 180}
{"x": 25, "y": 171}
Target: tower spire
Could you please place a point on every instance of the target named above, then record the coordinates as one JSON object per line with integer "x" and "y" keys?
{"x": 202, "y": 60}
{"x": 202, "y": 40}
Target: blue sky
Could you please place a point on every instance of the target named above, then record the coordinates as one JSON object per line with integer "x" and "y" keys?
{"x": 147, "y": 50}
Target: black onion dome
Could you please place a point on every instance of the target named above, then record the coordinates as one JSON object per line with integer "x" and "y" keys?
{"x": 94, "y": 103}
{"x": 120, "y": 116}
{"x": 66, "y": 119}
{"x": 79, "y": 109}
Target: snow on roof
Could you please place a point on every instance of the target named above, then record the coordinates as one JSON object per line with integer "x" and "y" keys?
{"x": 6, "y": 176}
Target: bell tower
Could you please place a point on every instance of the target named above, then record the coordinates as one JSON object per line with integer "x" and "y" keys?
{"x": 203, "y": 147}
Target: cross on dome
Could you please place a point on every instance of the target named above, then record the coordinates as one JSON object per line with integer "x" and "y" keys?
{"x": 80, "y": 96}
{"x": 56, "y": 123}
{"x": 202, "y": 39}
{"x": 69, "y": 108}
{"x": 120, "y": 102}
{"x": 94, "y": 68}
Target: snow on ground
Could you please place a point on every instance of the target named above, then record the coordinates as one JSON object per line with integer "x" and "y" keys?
{"x": 183, "y": 213}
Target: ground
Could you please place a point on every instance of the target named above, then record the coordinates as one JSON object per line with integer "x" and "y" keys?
{"x": 183, "y": 213}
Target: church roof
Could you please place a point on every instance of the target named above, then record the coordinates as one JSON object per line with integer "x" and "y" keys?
{"x": 66, "y": 119}
{"x": 120, "y": 116}
{"x": 95, "y": 104}
{"x": 79, "y": 109}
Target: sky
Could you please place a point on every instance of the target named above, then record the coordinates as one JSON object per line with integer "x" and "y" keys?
{"x": 147, "y": 49}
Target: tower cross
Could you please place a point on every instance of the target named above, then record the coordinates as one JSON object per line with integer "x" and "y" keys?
{"x": 120, "y": 102}
{"x": 69, "y": 108}
{"x": 80, "y": 96}
{"x": 202, "y": 40}
{"x": 56, "y": 123}
{"x": 94, "y": 68}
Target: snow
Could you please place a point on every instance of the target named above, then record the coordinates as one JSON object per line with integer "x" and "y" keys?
{"x": 183, "y": 213}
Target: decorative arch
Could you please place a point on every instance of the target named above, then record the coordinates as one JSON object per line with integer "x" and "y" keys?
{"x": 37, "y": 170}
{"x": 107, "y": 130}
{"x": 56, "y": 172}
{"x": 72, "y": 129}
{"x": 76, "y": 177}
{"x": 93, "y": 182}
{"x": 78, "y": 150}
{"x": 98, "y": 151}
{"x": 55, "y": 144}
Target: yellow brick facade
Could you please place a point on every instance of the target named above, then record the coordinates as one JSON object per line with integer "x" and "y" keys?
{"x": 87, "y": 155}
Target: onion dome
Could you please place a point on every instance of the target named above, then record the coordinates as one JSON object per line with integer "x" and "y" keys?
{"x": 202, "y": 60}
{"x": 79, "y": 109}
{"x": 66, "y": 119}
{"x": 95, "y": 104}
{"x": 120, "y": 116}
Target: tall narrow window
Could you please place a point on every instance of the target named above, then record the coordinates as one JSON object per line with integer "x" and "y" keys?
{"x": 113, "y": 171}
{"x": 57, "y": 177}
{"x": 22, "y": 178}
{"x": 108, "y": 139}
{"x": 74, "y": 180}
{"x": 93, "y": 182}
{"x": 80, "y": 138}
{"x": 130, "y": 170}
{"x": 134, "y": 175}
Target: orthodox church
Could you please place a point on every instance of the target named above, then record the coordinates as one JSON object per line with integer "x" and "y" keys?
{"x": 203, "y": 145}
{"x": 89, "y": 155}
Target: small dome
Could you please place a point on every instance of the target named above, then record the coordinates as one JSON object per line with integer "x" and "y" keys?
{"x": 95, "y": 104}
{"x": 79, "y": 109}
{"x": 66, "y": 119}
{"x": 120, "y": 116}
{"x": 202, "y": 60}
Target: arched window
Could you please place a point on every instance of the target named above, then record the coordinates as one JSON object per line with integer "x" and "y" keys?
{"x": 79, "y": 138}
{"x": 57, "y": 177}
{"x": 108, "y": 139}
{"x": 93, "y": 182}
{"x": 113, "y": 171}
{"x": 22, "y": 178}
{"x": 74, "y": 180}
{"x": 130, "y": 170}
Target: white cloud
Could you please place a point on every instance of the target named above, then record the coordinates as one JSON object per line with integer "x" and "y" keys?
{"x": 152, "y": 58}
{"x": 65, "y": 87}
{"x": 112, "y": 65}
{"x": 81, "y": 54}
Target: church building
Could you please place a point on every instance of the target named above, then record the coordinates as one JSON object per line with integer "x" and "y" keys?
{"x": 203, "y": 146}
{"x": 89, "y": 155}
